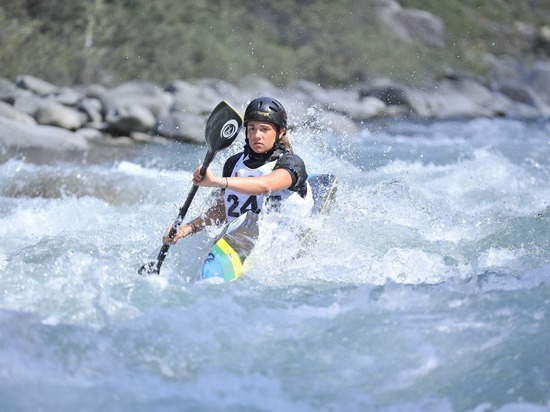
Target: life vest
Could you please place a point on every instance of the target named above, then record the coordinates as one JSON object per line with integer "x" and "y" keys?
{"x": 237, "y": 204}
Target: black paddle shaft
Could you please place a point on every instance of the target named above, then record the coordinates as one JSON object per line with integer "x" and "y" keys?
{"x": 222, "y": 127}
{"x": 154, "y": 267}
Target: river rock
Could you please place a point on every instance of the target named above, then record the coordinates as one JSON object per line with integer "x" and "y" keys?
{"x": 7, "y": 111}
{"x": 346, "y": 102}
{"x": 192, "y": 99}
{"x": 24, "y": 135}
{"x": 411, "y": 25}
{"x": 134, "y": 106}
{"x": 179, "y": 111}
{"x": 422, "y": 104}
{"x": 223, "y": 90}
{"x": 524, "y": 111}
{"x": 94, "y": 91}
{"x": 518, "y": 92}
{"x": 252, "y": 87}
{"x": 92, "y": 108}
{"x": 125, "y": 118}
{"x": 34, "y": 84}
{"x": 8, "y": 90}
{"x": 389, "y": 92}
{"x": 65, "y": 96}
{"x": 365, "y": 108}
{"x": 330, "y": 122}
{"x": 507, "y": 68}
{"x": 49, "y": 112}
{"x": 449, "y": 101}
{"x": 482, "y": 96}
{"x": 182, "y": 126}
{"x": 542, "y": 40}
{"x": 148, "y": 95}
{"x": 91, "y": 134}
{"x": 539, "y": 80}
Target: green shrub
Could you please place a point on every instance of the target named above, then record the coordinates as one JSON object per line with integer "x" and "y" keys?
{"x": 333, "y": 43}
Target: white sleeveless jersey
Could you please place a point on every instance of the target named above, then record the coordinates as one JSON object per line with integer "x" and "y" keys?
{"x": 237, "y": 204}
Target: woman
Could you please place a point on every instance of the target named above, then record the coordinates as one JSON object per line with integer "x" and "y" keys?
{"x": 266, "y": 174}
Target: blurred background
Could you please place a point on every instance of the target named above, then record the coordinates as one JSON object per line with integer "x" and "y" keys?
{"x": 332, "y": 43}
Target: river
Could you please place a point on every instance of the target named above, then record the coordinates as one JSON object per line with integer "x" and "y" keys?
{"x": 427, "y": 289}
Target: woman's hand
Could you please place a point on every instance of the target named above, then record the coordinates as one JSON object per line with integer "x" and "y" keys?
{"x": 182, "y": 232}
{"x": 208, "y": 180}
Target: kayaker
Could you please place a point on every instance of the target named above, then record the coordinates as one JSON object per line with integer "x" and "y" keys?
{"x": 265, "y": 175}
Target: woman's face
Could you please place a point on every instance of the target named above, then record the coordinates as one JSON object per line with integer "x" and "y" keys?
{"x": 261, "y": 135}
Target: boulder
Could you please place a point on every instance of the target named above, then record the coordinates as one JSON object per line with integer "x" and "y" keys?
{"x": 539, "y": 80}
{"x": 397, "y": 98}
{"x": 363, "y": 109}
{"x": 331, "y": 122}
{"x": 481, "y": 96}
{"x": 411, "y": 25}
{"x": 24, "y": 135}
{"x": 185, "y": 126}
{"x": 541, "y": 42}
{"x": 422, "y": 104}
{"x": 448, "y": 104}
{"x": 92, "y": 108}
{"x": 7, "y": 111}
{"x": 223, "y": 90}
{"x": 348, "y": 103}
{"x": 90, "y": 134}
{"x": 65, "y": 96}
{"x": 193, "y": 99}
{"x": 506, "y": 69}
{"x": 95, "y": 91}
{"x": 525, "y": 111}
{"x": 34, "y": 84}
{"x": 342, "y": 101}
{"x": 8, "y": 90}
{"x": 129, "y": 117}
{"x": 517, "y": 92}
{"x": 253, "y": 87}
{"x": 465, "y": 98}
{"x": 458, "y": 75}
{"x": 390, "y": 93}
{"x": 49, "y": 112}
{"x": 137, "y": 93}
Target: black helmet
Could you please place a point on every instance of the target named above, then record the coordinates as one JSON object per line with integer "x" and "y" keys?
{"x": 266, "y": 109}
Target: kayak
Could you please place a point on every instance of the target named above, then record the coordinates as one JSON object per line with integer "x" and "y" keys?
{"x": 224, "y": 261}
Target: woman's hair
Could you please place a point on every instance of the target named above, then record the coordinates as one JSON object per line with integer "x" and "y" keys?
{"x": 285, "y": 142}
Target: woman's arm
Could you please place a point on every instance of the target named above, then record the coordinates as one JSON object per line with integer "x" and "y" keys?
{"x": 213, "y": 216}
{"x": 257, "y": 185}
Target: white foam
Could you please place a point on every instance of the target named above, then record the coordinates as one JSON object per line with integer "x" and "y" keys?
{"x": 497, "y": 257}
{"x": 3, "y": 261}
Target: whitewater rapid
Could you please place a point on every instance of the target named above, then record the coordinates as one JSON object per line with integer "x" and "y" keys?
{"x": 426, "y": 289}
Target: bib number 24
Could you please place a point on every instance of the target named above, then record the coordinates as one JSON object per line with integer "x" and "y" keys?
{"x": 235, "y": 209}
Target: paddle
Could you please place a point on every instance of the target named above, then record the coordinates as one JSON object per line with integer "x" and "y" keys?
{"x": 222, "y": 127}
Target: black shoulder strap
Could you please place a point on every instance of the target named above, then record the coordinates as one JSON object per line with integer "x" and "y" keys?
{"x": 230, "y": 164}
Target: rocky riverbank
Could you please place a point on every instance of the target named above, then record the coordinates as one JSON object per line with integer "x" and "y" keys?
{"x": 35, "y": 113}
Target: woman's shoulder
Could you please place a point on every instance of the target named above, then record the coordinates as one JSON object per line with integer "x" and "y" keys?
{"x": 230, "y": 164}
{"x": 295, "y": 166}
{"x": 290, "y": 159}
